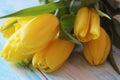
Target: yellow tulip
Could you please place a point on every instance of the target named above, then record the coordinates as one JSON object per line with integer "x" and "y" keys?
{"x": 38, "y": 33}
{"x": 8, "y": 32}
{"x": 87, "y": 25}
{"x": 23, "y": 20}
{"x": 9, "y": 52}
{"x": 96, "y": 51}
{"x": 95, "y": 24}
{"x": 30, "y": 38}
{"x": 53, "y": 57}
{"x": 82, "y": 22}
{"x": 18, "y": 22}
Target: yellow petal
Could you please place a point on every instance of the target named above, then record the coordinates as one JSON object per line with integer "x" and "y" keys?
{"x": 81, "y": 25}
{"x": 9, "y": 52}
{"x": 95, "y": 24}
{"x": 87, "y": 38}
{"x": 39, "y": 59}
{"x": 107, "y": 49}
{"x": 23, "y": 20}
{"x": 87, "y": 54}
{"x": 39, "y": 31}
{"x": 58, "y": 52}
{"x": 8, "y": 32}
{"x": 31, "y": 38}
{"x": 54, "y": 55}
{"x": 17, "y": 26}
{"x": 96, "y": 48}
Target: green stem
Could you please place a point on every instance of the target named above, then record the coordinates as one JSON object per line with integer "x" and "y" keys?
{"x": 46, "y": 1}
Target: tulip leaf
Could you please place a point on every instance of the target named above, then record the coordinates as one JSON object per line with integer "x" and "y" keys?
{"x": 113, "y": 63}
{"x": 9, "y": 25}
{"x": 116, "y": 40}
{"x": 116, "y": 26}
{"x": 23, "y": 63}
{"x": 45, "y": 1}
{"x": 75, "y": 5}
{"x": 64, "y": 35}
{"x": 116, "y": 32}
{"x": 62, "y": 12}
{"x": 109, "y": 26}
{"x": 113, "y": 24}
{"x": 103, "y": 14}
{"x": 67, "y": 23}
{"x": 88, "y": 2}
{"x": 112, "y": 10}
{"x": 37, "y": 10}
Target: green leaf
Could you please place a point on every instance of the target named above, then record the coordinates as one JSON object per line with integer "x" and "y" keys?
{"x": 23, "y": 63}
{"x": 62, "y": 12}
{"x": 67, "y": 23}
{"x": 113, "y": 11}
{"x": 88, "y": 2}
{"x": 116, "y": 25}
{"x": 103, "y": 14}
{"x": 116, "y": 32}
{"x": 113, "y": 24}
{"x": 37, "y": 10}
{"x": 9, "y": 25}
{"x": 75, "y": 5}
{"x": 45, "y": 1}
{"x": 64, "y": 35}
{"x": 116, "y": 38}
{"x": 113, "y": 63}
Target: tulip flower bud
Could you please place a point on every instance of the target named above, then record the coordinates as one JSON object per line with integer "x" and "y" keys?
{"x": 53, "y": 56}
{"x": 87, "y": 25}
{"x": 81, "y": 25}
{"x": 96, "y": 51}
{"x": 95, "y": 24}
{"x": 23, "y": 20}
{"x": 8, "y": 32}
{"x": 15, "y": 24}
{"x": 38, "y": 33}
{"x": 9, "y": 52}
{"x": 30, "y": 38}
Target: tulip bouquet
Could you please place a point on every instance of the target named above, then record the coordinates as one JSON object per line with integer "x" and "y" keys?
{"x": 46, "y": 35}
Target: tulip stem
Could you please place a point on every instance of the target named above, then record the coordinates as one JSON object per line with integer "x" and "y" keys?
{"x": 56, "y": 12}
{"x": 46, "y": 1}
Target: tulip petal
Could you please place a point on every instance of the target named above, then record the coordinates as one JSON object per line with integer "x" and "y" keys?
{"x": 58, "y": 52}
{"x": 40, "y": 31}
{"x": 53, "y": 56}
{"x": 24, "y": 20}
{"x": 107, "y": 49}
{"x": 96, "y": 49}
{"x": 9, "y": 52}
{"x": 8, "y": 32}
{"x": 81, "y": 25}
{"x": 95, "y": 24}
{"x": 87, "y": 54}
